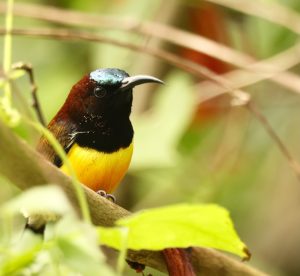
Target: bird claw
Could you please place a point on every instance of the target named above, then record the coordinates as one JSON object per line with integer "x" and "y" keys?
{"x": 109, "y": 197}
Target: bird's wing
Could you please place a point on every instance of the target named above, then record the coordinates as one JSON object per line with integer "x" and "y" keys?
{"x": 65, "y": 133}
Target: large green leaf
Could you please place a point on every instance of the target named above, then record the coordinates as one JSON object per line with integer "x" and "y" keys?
{"x": 180, "y": 225}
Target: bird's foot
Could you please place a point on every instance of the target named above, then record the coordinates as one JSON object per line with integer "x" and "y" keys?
{"x": 139, "y": 268}
{"x": 109, "y": 197}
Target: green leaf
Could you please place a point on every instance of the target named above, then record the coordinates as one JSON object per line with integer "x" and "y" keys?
{"x": 180, "y": 225}
{"x": 45, "y": 201}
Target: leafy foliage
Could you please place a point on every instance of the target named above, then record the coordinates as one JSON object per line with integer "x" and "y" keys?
{"x": 180, "y": 225}
{"x": 69, "y": 245}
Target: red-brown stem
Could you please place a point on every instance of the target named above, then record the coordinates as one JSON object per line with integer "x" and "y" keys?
{"x": 178, "y": 262}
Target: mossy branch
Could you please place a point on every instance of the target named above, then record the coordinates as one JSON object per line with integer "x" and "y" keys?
{"x": 26, "y": 168}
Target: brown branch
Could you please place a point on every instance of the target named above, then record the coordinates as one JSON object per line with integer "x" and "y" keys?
{"x": 24, "y": 167}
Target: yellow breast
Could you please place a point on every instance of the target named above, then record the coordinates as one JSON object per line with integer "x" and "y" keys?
{"x": 99, "y": 170}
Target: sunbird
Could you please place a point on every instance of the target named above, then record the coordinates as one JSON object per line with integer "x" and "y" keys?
{"x": 94, "y": 128}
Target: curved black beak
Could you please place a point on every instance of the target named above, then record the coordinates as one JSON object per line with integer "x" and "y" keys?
{"x": 130, "y": 82}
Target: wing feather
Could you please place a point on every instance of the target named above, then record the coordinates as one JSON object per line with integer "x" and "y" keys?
{"x": 65, "y": 133}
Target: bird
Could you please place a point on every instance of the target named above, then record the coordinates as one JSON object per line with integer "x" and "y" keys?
{"x": 93, "y": 126}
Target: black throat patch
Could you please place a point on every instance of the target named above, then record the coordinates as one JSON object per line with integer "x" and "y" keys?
{"x": 104, "y": 134}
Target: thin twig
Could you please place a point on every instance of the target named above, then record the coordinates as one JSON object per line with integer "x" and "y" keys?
{"x": 69, "y": 35}
{"x": 172, "y": 35}
{"x": 263, "y": 120}
{"x": 35, "y": 102}
{"x": 183, "y": 63}
{"x": 259, "y": 71}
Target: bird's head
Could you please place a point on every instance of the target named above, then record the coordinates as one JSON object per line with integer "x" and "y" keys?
{"x": 106, "y": 90}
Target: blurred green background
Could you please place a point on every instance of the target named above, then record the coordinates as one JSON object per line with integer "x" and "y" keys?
{"x": 186, "y": 151}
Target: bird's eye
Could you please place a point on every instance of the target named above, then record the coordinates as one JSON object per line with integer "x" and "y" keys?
{"x": 99, "y": 92}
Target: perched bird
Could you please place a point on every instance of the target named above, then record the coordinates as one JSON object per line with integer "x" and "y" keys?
{"x": 94, "y": 128}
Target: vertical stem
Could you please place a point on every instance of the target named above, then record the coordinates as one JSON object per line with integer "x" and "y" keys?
{"x": 123, "y": 252}
{"x": 7, "y": 50}
{"x": 178, "y": 262}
